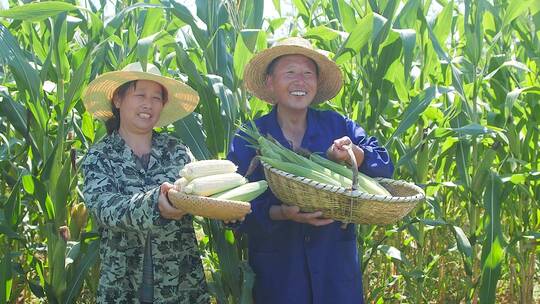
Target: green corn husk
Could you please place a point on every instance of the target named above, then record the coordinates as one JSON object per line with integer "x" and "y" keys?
{"x": 244, "y": 193}
{"x": 300, "y": 171}
{"x": 365, "y": 183}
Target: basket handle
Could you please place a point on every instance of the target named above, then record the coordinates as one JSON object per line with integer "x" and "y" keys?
{"x": 354, "y": 180}
{"x": 354, "y": 166}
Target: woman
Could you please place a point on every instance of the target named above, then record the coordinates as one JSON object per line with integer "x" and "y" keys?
{"x": 300, "y": 257}
{"x": 127, "y": 176}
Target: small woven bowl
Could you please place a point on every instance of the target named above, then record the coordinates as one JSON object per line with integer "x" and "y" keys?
{"x": 225, "y": 210}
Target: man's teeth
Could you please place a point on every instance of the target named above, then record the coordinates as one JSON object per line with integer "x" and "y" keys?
{"x": 298, "y": 93}
{"x": 144, "y": 115}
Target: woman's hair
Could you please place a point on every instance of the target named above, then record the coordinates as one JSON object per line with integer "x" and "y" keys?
{"x": 113, "y": 123}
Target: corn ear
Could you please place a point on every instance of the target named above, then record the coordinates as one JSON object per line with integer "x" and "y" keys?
{"x": 365, "y": 183}
{"x": 244, "y": 193}
{"x": 181, "y": 183}
{"x": 212, "y": 184}
{"x": 207, "y": 167}
{"x": 301, "y": 171}
{"x": 295, "y": 158}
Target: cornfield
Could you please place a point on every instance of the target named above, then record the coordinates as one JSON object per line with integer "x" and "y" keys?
{"x": 451, "y": 87}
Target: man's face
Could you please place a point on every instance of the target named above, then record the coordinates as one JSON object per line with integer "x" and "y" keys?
{"x": 293, "y": 81}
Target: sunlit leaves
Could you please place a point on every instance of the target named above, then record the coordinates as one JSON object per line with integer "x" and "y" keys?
{"x": 37, "y": 11}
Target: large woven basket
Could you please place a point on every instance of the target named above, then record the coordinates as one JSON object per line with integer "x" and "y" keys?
{"x": 208, "y": 207}
{"x": 338, "y": 203}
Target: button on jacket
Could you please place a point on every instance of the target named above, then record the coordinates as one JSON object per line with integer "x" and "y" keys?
{"x": 300, "y": 263}
{"x": 122, "y": 197}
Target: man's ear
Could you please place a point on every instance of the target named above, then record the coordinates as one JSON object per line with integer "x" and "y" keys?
{"x": 269, "y": 82}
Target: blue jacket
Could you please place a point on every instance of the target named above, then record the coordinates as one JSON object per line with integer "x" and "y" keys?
{"x": 299, "y": 263}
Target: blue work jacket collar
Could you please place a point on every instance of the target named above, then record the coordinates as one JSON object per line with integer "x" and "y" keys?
{"x": 270, "y": 126}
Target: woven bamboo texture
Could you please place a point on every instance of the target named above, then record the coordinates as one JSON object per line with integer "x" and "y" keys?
{"x": 208, "y": 207}
{"x": 343, "y": 204}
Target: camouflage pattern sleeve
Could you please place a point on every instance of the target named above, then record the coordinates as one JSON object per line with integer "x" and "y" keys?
{"x": 112, "y": 208}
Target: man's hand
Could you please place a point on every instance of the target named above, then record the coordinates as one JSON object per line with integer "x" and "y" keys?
{"x": 338, "y": 151}
{"x": 167, "y": 210}
{"x": 292, "y": 213}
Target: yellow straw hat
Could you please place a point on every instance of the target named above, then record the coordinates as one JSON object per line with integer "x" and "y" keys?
{"x": 329, "y": 80}
{"x": 182, "y": 99}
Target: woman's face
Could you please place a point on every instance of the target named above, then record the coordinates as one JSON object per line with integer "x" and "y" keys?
{"x": 140, "y": 107}
{"x": 293, "y": 81}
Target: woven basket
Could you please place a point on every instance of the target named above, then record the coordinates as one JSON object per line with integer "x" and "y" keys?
{"x": 338, "y": 203}
{"x": 208, "y": 207}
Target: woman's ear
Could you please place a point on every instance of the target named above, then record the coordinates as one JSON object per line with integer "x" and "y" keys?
{"x": 116, "y": 101}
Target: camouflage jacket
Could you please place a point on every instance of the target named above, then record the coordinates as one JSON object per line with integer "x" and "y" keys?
{"x": 122, "y": 197}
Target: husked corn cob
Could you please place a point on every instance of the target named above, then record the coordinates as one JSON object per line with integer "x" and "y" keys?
{"x": 212, "y": 184}
{"x": 244, "y": 193}
{"x": 207, "y": 167}
{"x": 365, "y": 183}
{"x": 181, "y": 183}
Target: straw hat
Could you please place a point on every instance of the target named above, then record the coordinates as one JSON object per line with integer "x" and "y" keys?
{"x": 329, "y": 81}
{"x": 182, "y": 99}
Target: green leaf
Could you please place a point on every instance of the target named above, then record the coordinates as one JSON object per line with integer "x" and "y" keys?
{"x": 277, "y": 6}
{"x": 37, "y": 11}
{"x": 229, "y": 106}
{"x": 475, "y": 130}
{"x": 463, "y": 155}
{"x": 394, "y": 253}
{"x": 11, "y": 55}
{"x": 143, "y": 47}
{"x": 12, "y": 207}
{"x": 87, "y": 126}
{"x": 365, "y": 29}
{"x": 253, "y": 14}
{"x": 191, "y": 131}
{"x": 442, "y": 28}
{"x": 7, "y": 231}
{"x": 463, "y": 244}
{"x": 153, "y": 20}
{"x": 76, "y": 84}
{"x": 14, "y": 112}
{"x": 345, "y": 13}
{"x": 198, "y": 27}
{"x": 6, "y": 277}
{"x": 416, "y": 107}
{"x": 322, "y": 33}
{"x": 492, "y": 248}
{"x": 512, "y": 96}
{"x": 408, "y": 42}
{"x": 87, "y": 257}
{"x": 242, "y": 55}
{"x": 511, "y": 63}
{"x": 406, "y": 18}
{"x": 302, "y": 7}
{"x": 116, "y": 22}
{"x": 518, "y": 8}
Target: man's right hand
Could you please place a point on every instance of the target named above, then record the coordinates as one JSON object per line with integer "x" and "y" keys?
{"x": 293, "y": 213}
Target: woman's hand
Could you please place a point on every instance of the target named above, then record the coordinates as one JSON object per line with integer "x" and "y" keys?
{"x": 167, "y": 210}
{"x": 338, "y": 151}
{"x": 292, "y": 213}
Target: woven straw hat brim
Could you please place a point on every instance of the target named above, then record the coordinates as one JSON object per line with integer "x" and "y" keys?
{"x": 329, "y": 80}
{"x": 182, "y": 99}
{"x": 225, "y": 210}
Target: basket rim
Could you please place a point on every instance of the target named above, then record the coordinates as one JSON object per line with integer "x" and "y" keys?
{"x": 208, "y": 198}
{"x": 356, "y": 193}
